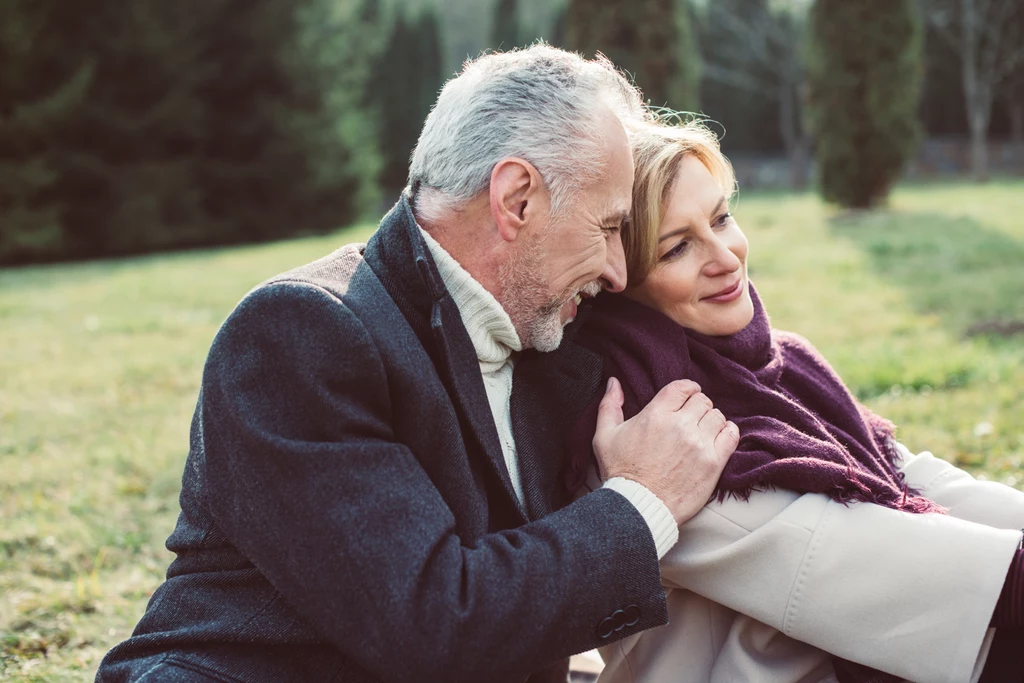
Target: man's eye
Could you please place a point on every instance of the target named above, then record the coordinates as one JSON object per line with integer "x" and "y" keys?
{"x": 676, "y": 251}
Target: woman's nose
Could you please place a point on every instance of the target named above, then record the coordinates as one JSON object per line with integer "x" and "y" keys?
{"x": 723, "y": 258}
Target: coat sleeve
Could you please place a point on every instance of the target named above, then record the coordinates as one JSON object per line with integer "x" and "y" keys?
{"x": 908, "y": 594}
{"x": 984, "y": 502}
{"x": 303, "y": 475}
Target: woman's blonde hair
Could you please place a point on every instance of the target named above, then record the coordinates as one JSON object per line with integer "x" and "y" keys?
{"x": 658, "y": 150}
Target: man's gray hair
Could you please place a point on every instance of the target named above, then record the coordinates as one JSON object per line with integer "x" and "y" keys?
{"x": 541, "y": 104}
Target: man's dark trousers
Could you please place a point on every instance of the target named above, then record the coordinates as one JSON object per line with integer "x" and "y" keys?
{"x": 346, "y": 513}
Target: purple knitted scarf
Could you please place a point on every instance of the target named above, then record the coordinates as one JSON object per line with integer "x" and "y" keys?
{"x": 800, "y": 427}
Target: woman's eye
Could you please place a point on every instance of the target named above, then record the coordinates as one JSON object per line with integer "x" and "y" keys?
{"x": 723, "y": 219}
{"x": 675, "y": 251}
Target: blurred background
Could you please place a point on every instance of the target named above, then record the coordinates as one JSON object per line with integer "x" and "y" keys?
{"x": 157, "y": 160}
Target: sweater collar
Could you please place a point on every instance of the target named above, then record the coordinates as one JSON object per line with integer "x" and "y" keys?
{"x": 490, "y": 328}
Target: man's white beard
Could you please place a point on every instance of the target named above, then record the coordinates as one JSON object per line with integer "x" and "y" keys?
{"x": 536, "y": 317}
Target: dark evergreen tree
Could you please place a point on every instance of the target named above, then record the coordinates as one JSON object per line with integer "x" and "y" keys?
{"x": 559, "y": 27}
{"x": 177, "y": 124}
{"x": 429, "y": 58}
{"x": 865, "y": 70}
{"x": 651, "y": 39}
{"x": 737, "y": 88}
{"x": 405, "y": 83}
{"x": 754, "y": 78}
{"x": 331, "y": 58}
{"x": 41, "y": 92}
{"x": 505, "y": 29}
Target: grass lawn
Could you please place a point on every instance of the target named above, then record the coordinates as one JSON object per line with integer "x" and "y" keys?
{"x": 100, "y": 363}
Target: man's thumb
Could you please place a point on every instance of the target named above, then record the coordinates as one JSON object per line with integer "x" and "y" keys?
{"x": 609, "y": 413}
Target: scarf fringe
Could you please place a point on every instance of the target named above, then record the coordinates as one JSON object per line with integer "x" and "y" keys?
{"x": 910, "y": 501}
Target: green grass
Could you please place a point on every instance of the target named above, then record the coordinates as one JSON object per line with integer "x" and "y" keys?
{"x": 100, "y": 364}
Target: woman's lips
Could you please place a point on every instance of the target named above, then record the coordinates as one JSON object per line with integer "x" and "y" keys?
{"x": 726, "y": 295}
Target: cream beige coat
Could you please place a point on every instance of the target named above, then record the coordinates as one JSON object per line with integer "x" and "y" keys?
{"x": 764, "y": 590}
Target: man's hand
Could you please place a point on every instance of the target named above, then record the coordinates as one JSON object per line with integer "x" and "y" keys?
{"x": 677, "y": 446}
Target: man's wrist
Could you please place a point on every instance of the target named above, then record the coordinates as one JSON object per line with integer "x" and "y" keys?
{"x": 654, "y": 511}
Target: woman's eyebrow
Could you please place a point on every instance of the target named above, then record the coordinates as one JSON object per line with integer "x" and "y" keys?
{"x": 679, "y": 231}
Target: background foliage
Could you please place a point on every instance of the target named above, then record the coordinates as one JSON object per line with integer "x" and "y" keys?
{"x": 207, "y": 122}
{"x": 179, "y": 124}
{"x": 865, "y": 68}
{"x": 651, "y": 39}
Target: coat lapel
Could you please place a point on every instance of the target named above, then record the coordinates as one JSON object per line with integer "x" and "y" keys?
{"x": 549, "y": 394}
{"x": 399, "y": 256}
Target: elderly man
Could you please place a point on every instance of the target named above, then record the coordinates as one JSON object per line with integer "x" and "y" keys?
{"x": 354, "y": 505}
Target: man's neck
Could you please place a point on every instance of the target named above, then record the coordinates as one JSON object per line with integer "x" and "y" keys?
{"x": 471, "y": 238}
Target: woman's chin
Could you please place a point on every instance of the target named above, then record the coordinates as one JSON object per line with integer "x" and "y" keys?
{"x": 731, "y": 321}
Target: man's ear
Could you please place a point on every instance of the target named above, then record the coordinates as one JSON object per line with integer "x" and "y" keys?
{"x": 515, "y": 189}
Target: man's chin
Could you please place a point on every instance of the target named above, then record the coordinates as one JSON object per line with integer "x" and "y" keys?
{"x": 546, "y": 336}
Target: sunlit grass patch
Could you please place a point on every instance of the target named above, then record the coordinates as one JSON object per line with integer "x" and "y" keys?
{"x": 100, "y": 366}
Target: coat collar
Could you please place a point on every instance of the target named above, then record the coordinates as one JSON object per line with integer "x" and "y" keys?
{"x": 399, "y": 257}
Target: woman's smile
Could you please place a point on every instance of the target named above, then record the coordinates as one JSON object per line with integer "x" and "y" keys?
{"x": 730, "y": 293}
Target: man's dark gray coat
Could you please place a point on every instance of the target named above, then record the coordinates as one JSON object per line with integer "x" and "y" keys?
{"x": 346, "y": 513}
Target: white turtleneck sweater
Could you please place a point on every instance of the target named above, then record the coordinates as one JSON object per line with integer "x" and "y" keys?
{"x": 495, "y": 340}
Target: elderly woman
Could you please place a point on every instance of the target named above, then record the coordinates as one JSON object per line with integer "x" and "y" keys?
{"x": 830, "y": 552}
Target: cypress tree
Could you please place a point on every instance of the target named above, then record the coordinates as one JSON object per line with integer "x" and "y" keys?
{"x": 405, "y": 81}
{"x": 559, "y": 27}
{"x": 865, "y": 70}
{"x": 429, "y": 78}
{"x": 651, "y": 39}
{"x": 178, "y": 124}
{"x": 748, "y": 114}
{"x": 505, "y": 29}
{"x": 40, "y": 93}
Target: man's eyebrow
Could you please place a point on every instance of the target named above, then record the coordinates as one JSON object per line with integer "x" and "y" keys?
{"x": 617, "y": 218}
{"x": 679, "y": 231}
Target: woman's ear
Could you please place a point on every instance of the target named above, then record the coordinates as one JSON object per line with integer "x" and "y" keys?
{"x": 516, "y": 192}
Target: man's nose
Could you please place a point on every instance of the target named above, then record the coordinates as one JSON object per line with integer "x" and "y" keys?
{"x": 614, "y": 275}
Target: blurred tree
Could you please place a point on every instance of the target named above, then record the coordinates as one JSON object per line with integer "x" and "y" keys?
{"x": 558, "y": 27}
{"x": 752, "y": 50}
{"x": 651, "y": 39}
{"x": 40, "y": 93}
{"x": 404, "y": 84}
{"x": 941, "y": 111}
{"x": 1012, "y": 95}
{"x": 429, "y": 59}
{"x": 329, "y": 62}
{"x": 505, "y": 29}
{"x": 864, "y": 69}
{"x": 988, "y": 37}
{"x": 178, "y": 124}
